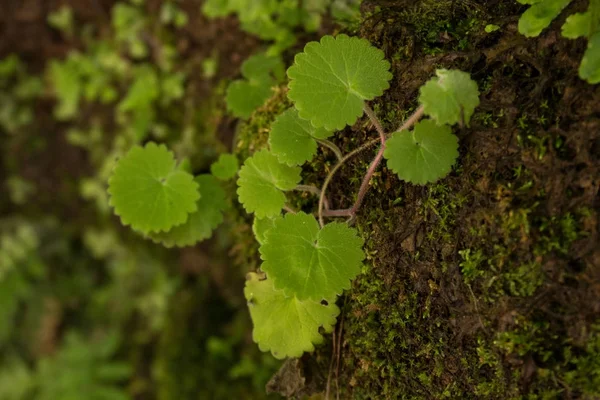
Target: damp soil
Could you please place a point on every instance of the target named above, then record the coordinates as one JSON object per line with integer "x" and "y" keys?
{"x": 486, "y": 284}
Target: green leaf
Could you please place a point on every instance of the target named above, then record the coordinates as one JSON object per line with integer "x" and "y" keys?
{"x": 292, "y": 139}
{"x": 66, "y": 80}
{"x": 308, "y": 262}
{"x": 62, "y": 19}
{"x": 285, "y": 325}
{"x": 424, "y": 155}
{"x": 225, "y": 167}
{"x": 589, "y": 69}
{"x": 149, "y": 192}
{"x": 261, "y": 180}
{"x": 491, "y": 28}
{"x": 577, "y": 25}
{"x": 449, "y": 98}
{"x": 244, "y": 97}
{"x": 201, "y": 223}
{"x": 540, "y": 15}
{"x": 331, "y": 79}
{"x": 143, "y": 91}
{"x": 216, "y": 8}
{"x": 260, "y": 226}
{"x": 262, "y": 72}
{"x": 261, "y": 66}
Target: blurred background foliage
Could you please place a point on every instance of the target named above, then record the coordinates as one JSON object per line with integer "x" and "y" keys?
{"x": 89, "y": 309}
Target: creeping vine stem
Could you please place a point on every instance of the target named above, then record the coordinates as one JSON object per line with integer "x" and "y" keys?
{"x": 351, "y": 212}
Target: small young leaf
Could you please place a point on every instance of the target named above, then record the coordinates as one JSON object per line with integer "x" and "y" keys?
{"x": 424, "y": 155}
{"x": 285, "y": 325}
{"x": 308, "y": 262}
{"x": 589, "y": 69}
{"x": 292, "y": 139}
{"x": 201, "y": 223}
{"x": 261, "y": 180}
{"x": 260, "y": 226}
{"x": 225, "y": 167}
{"x": 540, "y": 15}
{"x": 450, "y": 97}
{"x": 149, "y": 192}
{"x": 331, "y": 79}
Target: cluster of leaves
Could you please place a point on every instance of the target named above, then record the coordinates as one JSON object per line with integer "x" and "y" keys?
{"x": 578, "y": 25}
{"x": 17, "y": 92}
{"x": 162, "y": 200}
{"x": 81, "y": 366}
{"x": 123, "y": 83}
{"x": 97, "y": 75}
{"x": 276, "y": 20}
{"x": 306, "y": 266}
{"x": 20, "y": 266}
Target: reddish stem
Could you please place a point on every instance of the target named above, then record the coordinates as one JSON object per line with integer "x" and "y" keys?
{"x": 364, "y": 187}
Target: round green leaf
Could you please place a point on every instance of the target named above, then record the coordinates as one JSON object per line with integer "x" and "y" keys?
{"x": 292, "y": 139}
{"x": 244, "y": 97}
{"x": 423, "y": 155}
{"x": 285, "y": 325}
{"x": 149, "y": 192}
{"x": 201, "y": 223}
{"x": 225, "y": 167}
{"x": 261, "y": 180}
{"x": 331, "y": 79}
{"x": 449, "y": 98}
{"x": 261, "y": 66}
{"x": 308, "y": 262}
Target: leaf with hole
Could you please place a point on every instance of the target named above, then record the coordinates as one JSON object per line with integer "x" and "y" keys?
{"x": 450, "y": 97}
{"x": 293, "y": 139}
{"x": 308, "y": 262}
{"x": 202, "y": 222}
{"x": 225, "y": 167}
{"x": 261, "y": 181}
{"x": 285, "y": 325}
{"x": 331, "y": 79}
{"x": 423, "y": 155}
{"x": 149, "y": 192}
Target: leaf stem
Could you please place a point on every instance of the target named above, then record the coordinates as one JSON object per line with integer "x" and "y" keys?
{"x": 289, "y": 209}
{"x": 312, "y": 189}
{"x": 364, "y": 186}
{"x": 413, "y": 119}
{"x": 375, "y": 121}
{"x": 331, "y": 146}
{"x": 346, "y": 212}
